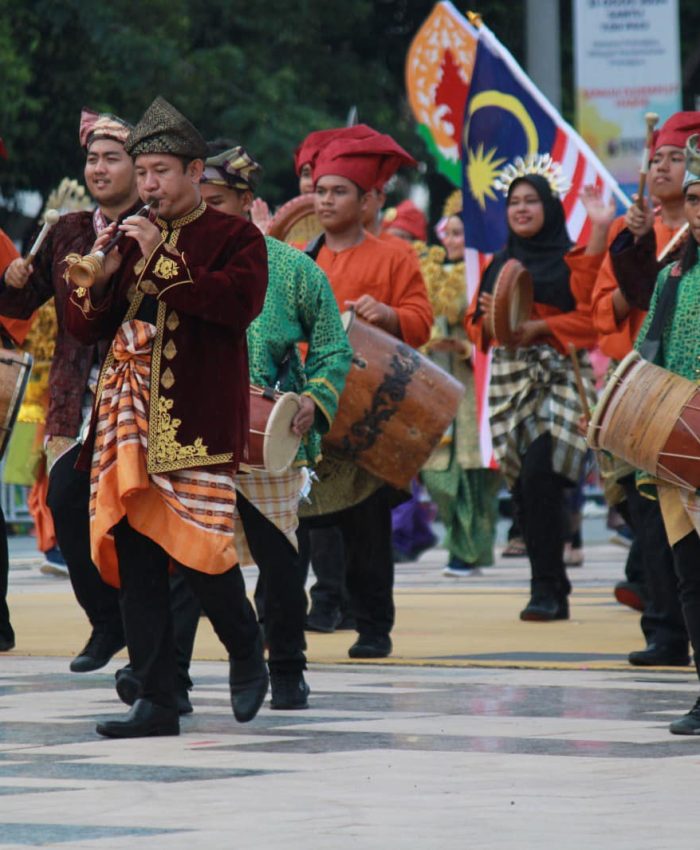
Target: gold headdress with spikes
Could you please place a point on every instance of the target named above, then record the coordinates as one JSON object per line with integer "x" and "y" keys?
{"x": 453, "y": 205}
{"x": 533, "y": 163}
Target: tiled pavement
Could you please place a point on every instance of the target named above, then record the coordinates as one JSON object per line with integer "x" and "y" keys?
{"x": 386, "y": 757}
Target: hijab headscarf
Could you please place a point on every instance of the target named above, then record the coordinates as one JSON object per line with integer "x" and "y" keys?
{"x": 541, "y": 254}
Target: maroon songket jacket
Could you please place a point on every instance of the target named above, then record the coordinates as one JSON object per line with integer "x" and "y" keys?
{"x": 208, "y": 278}
{"x": 72, "y": 360}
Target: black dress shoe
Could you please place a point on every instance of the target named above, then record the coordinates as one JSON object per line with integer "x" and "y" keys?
{"x": 144, "y": 720}
{"x": 6, "y": 644}
{"x": 542, "y": 609}
{"x": 322, "y": 620}
{"x": 129, "y": 689}
{"x": 289, "y": 691}
{"x": 689, "y": 724}
{"x": 248, "y": 681}
{"x": 371, "y": 646}
{"x": 658, "y": 655}
{"x": 97, "y": 651}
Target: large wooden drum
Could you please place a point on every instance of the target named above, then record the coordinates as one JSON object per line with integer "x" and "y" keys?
{"x": 296, "y": 221}
{"x": 15, "y": 367}
{"x": 650, "y": 417}
{"x": 512, "y": 302}
{"x": 395, "y": 407}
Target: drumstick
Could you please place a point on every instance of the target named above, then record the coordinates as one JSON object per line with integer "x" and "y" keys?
{"x": 579, "y": 381}
{"x": 672, "y": 244}
{"x": 50, "y": 218}
{"x": 652, "y": 120}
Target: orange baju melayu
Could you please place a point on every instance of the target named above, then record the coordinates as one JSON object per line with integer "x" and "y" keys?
{"x": 616, "y": 339}
{"x": 387, "y": 273}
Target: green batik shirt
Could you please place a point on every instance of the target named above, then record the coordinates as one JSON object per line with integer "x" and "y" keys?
{"x": 300, "y": 307}
{"x": 679, "y": 351}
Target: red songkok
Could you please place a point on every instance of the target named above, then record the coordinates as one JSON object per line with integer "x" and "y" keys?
{"x": 677, "y": 130}
{"x": 406, "y": 216}
{"x": 94, "y": 125}
{"x": 309, "y": 149}
{"x": 368, "y": 160}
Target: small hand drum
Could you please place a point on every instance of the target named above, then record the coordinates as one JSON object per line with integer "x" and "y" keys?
{"x": 512, "y": 302}
{"x": 296, "y": 222}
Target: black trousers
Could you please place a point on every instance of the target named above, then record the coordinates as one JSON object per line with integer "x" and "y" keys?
{"x": 539, "y": 492}
{"x": 68, "y": 499}
{"x": 369, "y": 560}
{"x": 686, "y": 558}
{"x": 662, "y": 619}
{"x": 145, "y": 604}
{"x": 6, "y": 630}
{"x": 281, "y": 591}
{"x": 327, "y": 554}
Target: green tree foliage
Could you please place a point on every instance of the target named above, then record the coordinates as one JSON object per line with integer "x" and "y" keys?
{"x": 264, "y": 75}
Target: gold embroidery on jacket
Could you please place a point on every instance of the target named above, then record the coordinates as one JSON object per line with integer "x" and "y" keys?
{"x": 166, "y": 268}
{"x": 168, "y": 448}
{"x": 167, "y": 378}
{"x": 170, "y": 350}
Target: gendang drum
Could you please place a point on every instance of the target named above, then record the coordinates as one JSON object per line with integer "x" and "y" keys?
{"x": 395, "y": 407}
{"x": 650, "y": 417}
{"x": 272, "y": 445}
{"x": 15, "y": 367}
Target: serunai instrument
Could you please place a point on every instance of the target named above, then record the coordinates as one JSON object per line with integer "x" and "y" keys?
{"x": 650, "y": 417}
{"x": 272, "y": 445}
{"x": 513, "y": 295}
{"x": 85, "y": 271}
{"x": 395, "y": 407}
{"x": 15, "y": 367}
{"x": 296, "y": 221}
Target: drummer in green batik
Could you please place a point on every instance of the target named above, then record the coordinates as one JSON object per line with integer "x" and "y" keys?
{"x": 299, "y": 308}
{"x": 670, "y": 337}
{"x": 466, "y": 494}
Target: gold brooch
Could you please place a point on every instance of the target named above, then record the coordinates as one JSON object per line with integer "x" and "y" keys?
{"x": 166, "y": 268}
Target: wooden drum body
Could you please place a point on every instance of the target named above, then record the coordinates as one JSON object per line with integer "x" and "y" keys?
{"x": 650, "y": 417}
{"x": 15, "y": 367}
{"x": 296, "y": 221}
{"x": 513, "y": 295}
{"x": 395, "y": 407}
{"x": 272, "y": 445}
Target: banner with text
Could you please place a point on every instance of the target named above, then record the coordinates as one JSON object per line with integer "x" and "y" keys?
{"x": 627, "y": 63}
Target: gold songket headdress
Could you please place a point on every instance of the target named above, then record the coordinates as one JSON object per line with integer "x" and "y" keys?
{"x": 533, "y": 163}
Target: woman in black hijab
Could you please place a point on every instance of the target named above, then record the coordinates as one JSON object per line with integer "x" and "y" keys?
{"x": 533, "y": 405}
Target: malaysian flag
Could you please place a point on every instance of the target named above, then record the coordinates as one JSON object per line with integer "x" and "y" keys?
{"x": 506, "y": 121}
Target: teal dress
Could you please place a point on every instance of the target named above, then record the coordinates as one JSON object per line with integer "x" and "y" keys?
{"x": 466, "y": 494}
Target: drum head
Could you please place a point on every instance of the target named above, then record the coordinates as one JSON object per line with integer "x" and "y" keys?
{"x": 609, "y": 390}
{"x": 281, "y": 443}
{"x": 512, "y": 301}
{"x": 296, "y": 221}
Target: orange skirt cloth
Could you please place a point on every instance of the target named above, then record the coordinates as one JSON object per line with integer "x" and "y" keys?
{"x": 189, "y": 513}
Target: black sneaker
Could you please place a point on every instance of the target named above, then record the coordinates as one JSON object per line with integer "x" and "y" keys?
{"x": 689, "y": 724}
{"x": 541, "y": 609}
{"x": 290, "y": 691}
{"x": 371, "y": 646}
{"x": 97, "y": 652}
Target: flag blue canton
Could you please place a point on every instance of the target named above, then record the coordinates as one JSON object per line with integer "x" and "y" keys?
{"x": 501, "y": 122}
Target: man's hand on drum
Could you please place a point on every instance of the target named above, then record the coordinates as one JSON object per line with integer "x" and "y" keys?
{"x": 305, "y": 417}
{"x": 376, "y": 313}
{"x": 17, "y": 273}
{"x": 639, "y": 222}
